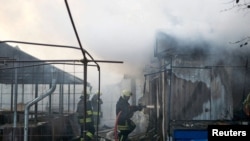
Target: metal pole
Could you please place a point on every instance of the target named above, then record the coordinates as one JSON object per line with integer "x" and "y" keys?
{"x": 50, "y": 101}
{"x": 98, "y": 108}
{"x": 15, "y": 106}
{"x": 68, "y": 98}
{"x": 34, "y": 101}
{"x": 36, "y": 105}
{"x": 61, "y": 99}
{"x": 85, "y": 64}
{"x": 169, "y": 98}
{"x": 15, "y": 100}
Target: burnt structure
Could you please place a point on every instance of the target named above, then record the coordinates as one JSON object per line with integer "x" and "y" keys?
{"x": 23, "y": 79}
{"x": 194, "y": 84}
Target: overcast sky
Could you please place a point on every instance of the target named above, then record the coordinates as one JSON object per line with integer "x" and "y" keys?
{"x": 118, "y": 30}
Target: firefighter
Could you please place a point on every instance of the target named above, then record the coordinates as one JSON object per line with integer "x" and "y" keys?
{"x": 96, "y": 103}
{"x": 124, "y": 113}
{"x": 89, "y": 125}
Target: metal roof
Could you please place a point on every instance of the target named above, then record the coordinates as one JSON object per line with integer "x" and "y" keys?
{"x": 14, "y": 68}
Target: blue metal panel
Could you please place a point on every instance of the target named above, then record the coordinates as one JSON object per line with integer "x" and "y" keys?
{"x": 190, "y": 135}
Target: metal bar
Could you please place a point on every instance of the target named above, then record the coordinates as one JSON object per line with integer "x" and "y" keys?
{"x": 36, "y": 95}
{"x": 34, "y": 101}
{"x": 26, "y": 61}
{"x": 74, "y": 27}
{"x": 74, "y": 91}
{"x": 22, "y": 94}
{"x": 52, "y": 45}
{"x": 15, "y": 106}
{"x": 68, "y": 98}
{"x": 98, "y": 108}
{"x": 170, "y": 96}
{"x": 5, "y": 68}
{"x": 85, "y": 64}
{"x": 62, "y": 60}
{"x": 41, "y": 44}
{"x": 85, "y": 96}
{"x": 15, "y": 100}
{"x": 50, "y": 101}
{"x": 12, "y": 97}
{"x": 61, "y": 91}
{"x": 74, "y": 97}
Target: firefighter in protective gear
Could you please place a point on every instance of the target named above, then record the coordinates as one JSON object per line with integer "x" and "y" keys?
{"x": 125, "y": 111}
{"x": 96, "y": 103}
{"x": 88, "y": 122}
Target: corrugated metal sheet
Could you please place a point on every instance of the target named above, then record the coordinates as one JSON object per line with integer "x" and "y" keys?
{"x": 196, "y": 81}
{"x": 41, "y": 73}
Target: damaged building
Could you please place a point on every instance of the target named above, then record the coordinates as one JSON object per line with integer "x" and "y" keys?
{"x": 37, "y": 97}
{"x": 194, "y": 84}
{"x": 187, "y": 86}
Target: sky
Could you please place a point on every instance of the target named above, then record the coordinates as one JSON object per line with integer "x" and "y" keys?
{"x": 118, "y": 30}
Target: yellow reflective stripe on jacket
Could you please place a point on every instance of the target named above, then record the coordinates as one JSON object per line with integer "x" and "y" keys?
{"x": 89, "y": 134}
{"x": 123, "y": 127}
{"x": 87, "y": 120}
{"x": 96, "y": 113}
{"x": 89, "y": 112}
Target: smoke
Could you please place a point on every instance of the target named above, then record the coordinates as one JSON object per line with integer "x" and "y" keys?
{"x": 118, "y": 30}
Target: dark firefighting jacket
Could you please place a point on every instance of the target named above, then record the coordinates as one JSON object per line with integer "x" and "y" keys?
{"x": 96, "y": 101}
{"x": 126, "y": 112}
{"x": 80, "y": 111}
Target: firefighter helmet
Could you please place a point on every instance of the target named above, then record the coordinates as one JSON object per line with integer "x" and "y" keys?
{"x": 126, "y": 92}
{"x": 97, "y": 92}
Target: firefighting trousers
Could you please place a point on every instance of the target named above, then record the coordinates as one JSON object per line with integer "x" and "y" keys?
{"x": 125, "y": 129}
{"x": 89, "y": 132}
